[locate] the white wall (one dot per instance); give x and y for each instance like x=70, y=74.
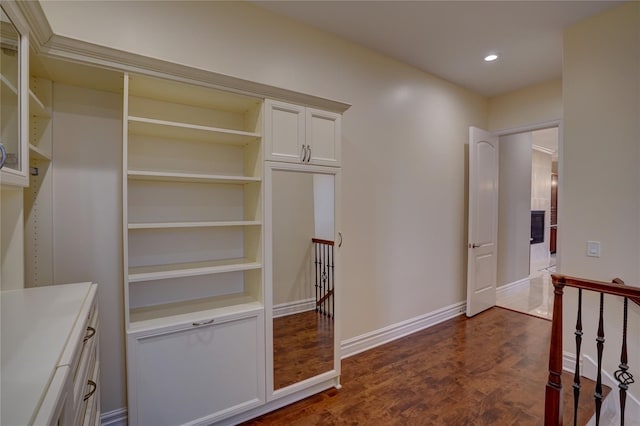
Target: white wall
x=87, y=215
x=514, y=217
x=403, y=147
x=600, y=178
x=536, y=104
x=11, y=238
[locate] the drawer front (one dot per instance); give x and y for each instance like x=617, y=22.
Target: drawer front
x=198, y=374
x=91, y=398
x=86, y=362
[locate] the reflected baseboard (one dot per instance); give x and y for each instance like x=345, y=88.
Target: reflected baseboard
x=296, y=307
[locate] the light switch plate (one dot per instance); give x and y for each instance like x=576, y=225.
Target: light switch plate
x=593, y=248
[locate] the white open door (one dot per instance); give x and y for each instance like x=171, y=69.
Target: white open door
x=483, y=221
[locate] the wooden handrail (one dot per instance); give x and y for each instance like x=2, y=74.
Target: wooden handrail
x=553, y=394
x=616, y=288
x=320, y=241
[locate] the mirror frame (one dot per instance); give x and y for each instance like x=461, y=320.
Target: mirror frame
x=330, y=378
x=11, y=176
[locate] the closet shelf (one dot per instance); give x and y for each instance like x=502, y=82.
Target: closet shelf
x=38, y=153
x=6, y=84
x=212, y=224
x=36, y=106
x=177, y=130
x=179, y=270
x=152, y=317
x=189, y=177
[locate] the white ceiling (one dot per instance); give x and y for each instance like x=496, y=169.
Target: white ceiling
x=451, y=38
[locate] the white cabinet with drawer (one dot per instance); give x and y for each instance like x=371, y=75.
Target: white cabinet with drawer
x=50, y=355
x=197, y=372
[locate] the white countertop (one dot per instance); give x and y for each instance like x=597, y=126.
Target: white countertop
x=36, y=324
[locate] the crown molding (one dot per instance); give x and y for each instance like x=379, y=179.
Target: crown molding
x=47, y=43
x=40, y=31
x=543, y=149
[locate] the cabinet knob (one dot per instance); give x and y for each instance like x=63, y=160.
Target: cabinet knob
x=309, y=152
x=304, y=153
x=199, y=323
x=90, y=333
x=93, y=386
x=3, y=155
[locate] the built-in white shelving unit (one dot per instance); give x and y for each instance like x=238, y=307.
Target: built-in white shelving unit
x=192, y=206
x=193, y=200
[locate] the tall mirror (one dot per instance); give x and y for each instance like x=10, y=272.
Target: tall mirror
x=9, y=92
x=303, y=275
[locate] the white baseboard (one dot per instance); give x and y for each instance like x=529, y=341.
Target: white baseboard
x=387, y=334
x=611, y=404
x=114, y=418
x=511, y=286
x=296, y=307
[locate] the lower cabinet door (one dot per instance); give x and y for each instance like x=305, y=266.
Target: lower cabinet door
x=196, y=374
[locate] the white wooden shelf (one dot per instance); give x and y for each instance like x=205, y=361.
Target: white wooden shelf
x=189, y=177
x=38, y=153
x=8, y=85
x=37, y=107
x=152, y=317
x=171, y=225
x=177, y=130
x=179, y=270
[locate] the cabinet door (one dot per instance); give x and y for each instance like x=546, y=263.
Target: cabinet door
x=284, y=132
x=323, y=137
x=196, y=374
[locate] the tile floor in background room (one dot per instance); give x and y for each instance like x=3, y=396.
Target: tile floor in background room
x=533, y=295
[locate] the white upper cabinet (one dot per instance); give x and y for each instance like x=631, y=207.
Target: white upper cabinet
x=295, y=134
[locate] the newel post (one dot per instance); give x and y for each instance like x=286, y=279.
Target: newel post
x=553, y=394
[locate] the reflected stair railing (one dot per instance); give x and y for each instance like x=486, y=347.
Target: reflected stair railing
x=325, y=276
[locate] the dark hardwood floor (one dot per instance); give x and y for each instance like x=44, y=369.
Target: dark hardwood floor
x=302, y=347
x=487, y=370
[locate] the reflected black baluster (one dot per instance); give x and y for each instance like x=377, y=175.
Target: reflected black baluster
x=326, y=279
x=315, y=249
x=600, y=345
x=576, y=377
x=623, y=377
x=333, y=282
x=322, y=278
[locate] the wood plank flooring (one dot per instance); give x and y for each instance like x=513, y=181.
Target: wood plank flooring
x=487, y=370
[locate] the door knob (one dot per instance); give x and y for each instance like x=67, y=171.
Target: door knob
x=474, y=245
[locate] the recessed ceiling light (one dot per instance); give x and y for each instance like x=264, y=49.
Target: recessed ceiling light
x=490, y=58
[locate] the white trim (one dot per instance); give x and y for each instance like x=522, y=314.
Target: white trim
x=387, y=334
x=296, y=307
x=528, y=128
x=503, y=289
x=543, y=149
x=114, y=418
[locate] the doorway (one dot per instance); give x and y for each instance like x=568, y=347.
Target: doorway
x=527, y=223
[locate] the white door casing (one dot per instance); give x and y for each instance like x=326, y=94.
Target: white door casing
x=483, y=221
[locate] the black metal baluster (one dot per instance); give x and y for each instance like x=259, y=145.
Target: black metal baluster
x=622, y=375
x=576, y=377
x=600, y=345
